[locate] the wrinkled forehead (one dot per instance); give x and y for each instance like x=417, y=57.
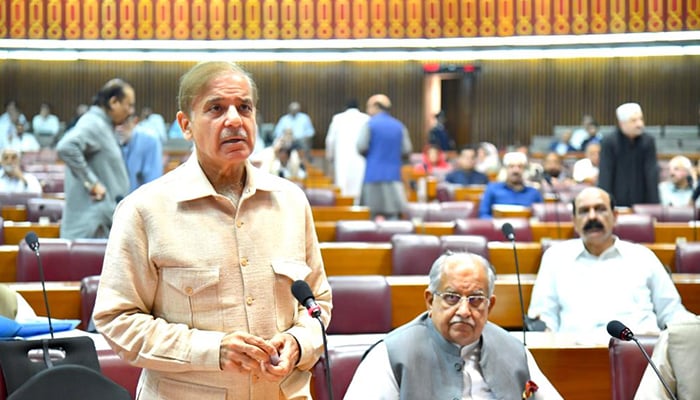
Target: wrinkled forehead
x=592, y=198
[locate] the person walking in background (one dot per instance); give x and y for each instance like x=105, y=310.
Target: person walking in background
x=96, y=176
x=628, y=165
x=198, y=270
x=385, y=143
x=142, y=152
x=341, y=149
x=438, y=135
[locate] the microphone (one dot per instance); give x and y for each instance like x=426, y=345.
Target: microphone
x=509, y=233
x=33, y=243
x=548, y=178
x=302, y=292
x=618, y=330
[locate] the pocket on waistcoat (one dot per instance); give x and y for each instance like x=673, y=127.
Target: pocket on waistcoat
x=286, y=272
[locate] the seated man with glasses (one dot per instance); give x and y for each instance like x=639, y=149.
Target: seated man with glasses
x=584, y=283
x=452, y=351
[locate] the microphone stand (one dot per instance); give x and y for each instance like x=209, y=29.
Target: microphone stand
x=327, y=363
x=520, y=290
x=656, y=370
x=33, y=244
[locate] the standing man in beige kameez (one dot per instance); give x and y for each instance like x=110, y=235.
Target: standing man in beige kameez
x=196, y=285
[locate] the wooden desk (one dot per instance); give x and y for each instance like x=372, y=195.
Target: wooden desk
x=356, y=258
x=8, y=263
x=64, y=298
x=670, y=232
x=14, y=212
x=16, y=231
x=337, y=213
x=551, y=230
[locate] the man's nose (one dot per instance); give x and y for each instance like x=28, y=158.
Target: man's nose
x=232, y=115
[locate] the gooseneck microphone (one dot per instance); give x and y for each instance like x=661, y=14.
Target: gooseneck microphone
x=618, y=330
x=302, y=292
x=509, y=234
x=33, y=243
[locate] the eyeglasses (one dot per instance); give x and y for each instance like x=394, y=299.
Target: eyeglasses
x=476, y=302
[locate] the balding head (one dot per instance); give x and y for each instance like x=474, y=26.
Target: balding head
x=378, y=103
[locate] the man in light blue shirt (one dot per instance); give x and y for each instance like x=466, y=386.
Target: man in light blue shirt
x=582, y=284
x=513, y=191
x=300, y=125
x=677, y=190
x=142, y=151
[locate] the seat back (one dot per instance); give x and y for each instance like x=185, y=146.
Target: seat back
x=344, y=361
x=491, y=228
x=62, y=259
x=361, y=304
x=413, y=211
x=413, y=254
x=453, y=210
x=88, y=294
x=41, y=207
x=16, y=198
x=627, y=365
x=465, y=243
x=320, y=196
x=687, y=258
x=637, y=228
x=553, y=212
x=370, y=231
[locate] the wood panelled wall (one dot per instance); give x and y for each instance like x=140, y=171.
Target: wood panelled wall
x=512, y=100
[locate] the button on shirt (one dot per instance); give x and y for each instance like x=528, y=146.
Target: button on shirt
x=578, y=292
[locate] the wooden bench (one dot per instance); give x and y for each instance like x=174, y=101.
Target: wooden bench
x=337, y=213
x=16, y=231
x=375, y=258
x=406, y=296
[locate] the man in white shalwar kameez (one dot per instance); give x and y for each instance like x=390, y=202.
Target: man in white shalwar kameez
x=341, y=149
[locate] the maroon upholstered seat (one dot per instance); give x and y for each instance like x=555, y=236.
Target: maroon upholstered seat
x=665, y=213
x=413, y=254
x=16, y=198
x=687, y=258
x=469, y=243
x=627, y=365
x=491, y=228
x=41, y=207
x=440, y=212
x=88, y=293
x=320, y=196
x=118, y=370
x=552, y=212
x=361, y=304
x=63, y=260
x=637, y=228
x=344, y=360
x=419, y=211
x=370, y=231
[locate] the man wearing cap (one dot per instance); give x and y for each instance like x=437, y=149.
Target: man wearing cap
x=628, y=166
x=513, y=191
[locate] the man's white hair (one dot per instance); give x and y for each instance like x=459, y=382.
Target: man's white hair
x=514, y=157
x=627, y=110
x=682, y=161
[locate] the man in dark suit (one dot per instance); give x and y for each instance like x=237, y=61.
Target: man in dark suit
x=628, y=165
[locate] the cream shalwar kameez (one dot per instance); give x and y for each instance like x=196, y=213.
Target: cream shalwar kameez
x=183, y=267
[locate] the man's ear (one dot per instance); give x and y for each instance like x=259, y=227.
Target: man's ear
x=184, y=123
x=492, y=302
x=429, y=297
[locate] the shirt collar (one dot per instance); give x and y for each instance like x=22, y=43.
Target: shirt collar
x=610, y=252
x=195, y=184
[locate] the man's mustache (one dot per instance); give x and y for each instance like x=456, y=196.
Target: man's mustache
x=593, y=224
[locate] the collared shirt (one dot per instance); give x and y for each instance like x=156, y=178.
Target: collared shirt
x=13, y=185
x=143, y=155
x=500, y=193
x=463, y=177
x=673, y=196
x=184, y=266
x=375, y=379
x=578, y=292
x=300, y=124
x=585, y=170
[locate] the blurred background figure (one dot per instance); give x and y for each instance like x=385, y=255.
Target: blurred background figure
x=142, y=152
x=300, y=124
x=80, y=109
x=341, y=149
x=385, y=143
x=46, y=126
x=594, y=135
x=581, y=133
x=433, y=162
x=438, y=135
x=288, y=164
x=154, y=122
x=586, y=169
x=465, y=172
x=21, y=141
x=677, y=190
x=12, y=178
x=561, y=144
x=487, y=159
